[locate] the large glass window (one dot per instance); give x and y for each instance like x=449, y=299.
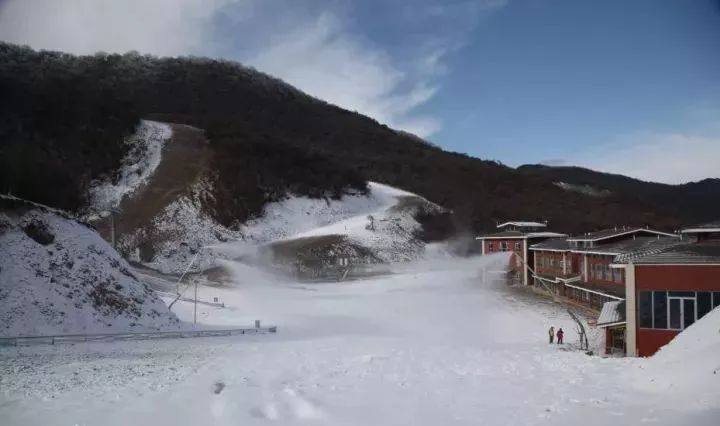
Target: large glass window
x=660, y=309
x=646, y=310
x=704, y=303
x=675, y=314
x=688, y=312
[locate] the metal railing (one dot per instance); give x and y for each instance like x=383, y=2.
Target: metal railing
x=116, y=337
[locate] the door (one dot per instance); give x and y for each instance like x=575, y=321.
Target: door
x=681, y=312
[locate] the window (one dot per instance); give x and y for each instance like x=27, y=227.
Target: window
x=675, y=317
x=517, y=246
x=617, y=275
x=704, y=303
x=674, y=310
x=646, y=311
x=660, y=309
x=716, y=299
x=503, y=245
x=491, y=247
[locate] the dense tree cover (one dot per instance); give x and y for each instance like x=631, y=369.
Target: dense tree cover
x=62, y=120
x=694, y=201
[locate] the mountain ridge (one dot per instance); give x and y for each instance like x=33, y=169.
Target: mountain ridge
x=66, y=117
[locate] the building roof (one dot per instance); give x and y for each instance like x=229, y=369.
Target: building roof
x=613, y=313
x=628, y=247
x=705, y=227
x=615, y=232
x=612, y=290
x=553, y=244
x=519, y=235
x=683, y=254
x=502, y=234
x=523, y=224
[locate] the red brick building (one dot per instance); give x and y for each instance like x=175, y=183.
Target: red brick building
x=516, y=237
x=579, y=267
x=668, y=290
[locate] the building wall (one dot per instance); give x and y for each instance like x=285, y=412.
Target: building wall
x=548, y=256
x=671, y=278
x=677, y=277
x=494, y=246
x=650, y=341
x=604, y=262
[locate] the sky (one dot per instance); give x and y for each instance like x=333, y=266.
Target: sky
x=623, y=86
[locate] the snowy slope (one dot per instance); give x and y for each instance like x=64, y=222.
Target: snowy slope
x=690, y=363
x=186, y=230
x=143, y=158
x=193, y=232
x=383, y=221
x=438, y=346
x=58, y=276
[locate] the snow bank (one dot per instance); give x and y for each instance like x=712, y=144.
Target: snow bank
x=140, y=163
x=689, y=363
x=58, y=276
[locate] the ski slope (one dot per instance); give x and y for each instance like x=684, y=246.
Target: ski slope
x=435, y=346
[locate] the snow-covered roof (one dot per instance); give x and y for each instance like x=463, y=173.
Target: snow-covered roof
x=545, y=234
x=613, y=313
x=523, y=224
x=703, y=228
x=616, y=232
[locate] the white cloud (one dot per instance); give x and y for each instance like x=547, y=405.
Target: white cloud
x=669, y=158
x=323, y=60
x=318, y=54
x=162, y=27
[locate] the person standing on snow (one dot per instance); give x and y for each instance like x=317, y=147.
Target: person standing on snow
x=560, y=334
x=551, y=333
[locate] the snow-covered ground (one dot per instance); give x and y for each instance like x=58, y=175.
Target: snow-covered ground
x=436, y=345
x=391, y=237
x=57, y=276
x=143, y=158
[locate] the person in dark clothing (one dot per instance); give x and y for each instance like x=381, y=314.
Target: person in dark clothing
x=560, y=334
x=551, y=333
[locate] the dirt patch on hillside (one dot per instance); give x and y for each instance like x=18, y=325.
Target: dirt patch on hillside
x=185, y=157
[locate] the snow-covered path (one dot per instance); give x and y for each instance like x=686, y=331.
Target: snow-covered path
x=436, y=347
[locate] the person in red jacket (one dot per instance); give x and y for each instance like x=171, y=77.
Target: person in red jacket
x=560, y=334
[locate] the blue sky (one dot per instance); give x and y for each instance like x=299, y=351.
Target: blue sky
x=626, y=86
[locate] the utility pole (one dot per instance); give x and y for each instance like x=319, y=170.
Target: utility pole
x=112, y=229
x=195, y=308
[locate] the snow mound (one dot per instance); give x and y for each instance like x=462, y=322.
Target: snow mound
x=58, y=276
x=382, y=221
x=690, y=362
x=143, y=158
x=294, y=216
x=182, y=231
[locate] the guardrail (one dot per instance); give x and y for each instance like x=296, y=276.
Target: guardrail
x=187, y=299
x=117, y=337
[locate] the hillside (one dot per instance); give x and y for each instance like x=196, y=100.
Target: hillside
x=695, y=200
x=57, y=276
x=66, y=118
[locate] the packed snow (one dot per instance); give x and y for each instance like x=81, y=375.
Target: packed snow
x=391, y=236
x=145, y=153
x=58, y=276
x=440, y=344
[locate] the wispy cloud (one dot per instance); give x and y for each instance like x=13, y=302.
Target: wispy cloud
x=668, y=158
x=317, y=50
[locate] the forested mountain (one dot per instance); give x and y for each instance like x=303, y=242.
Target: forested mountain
x=63, y=119
x=691, y=201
